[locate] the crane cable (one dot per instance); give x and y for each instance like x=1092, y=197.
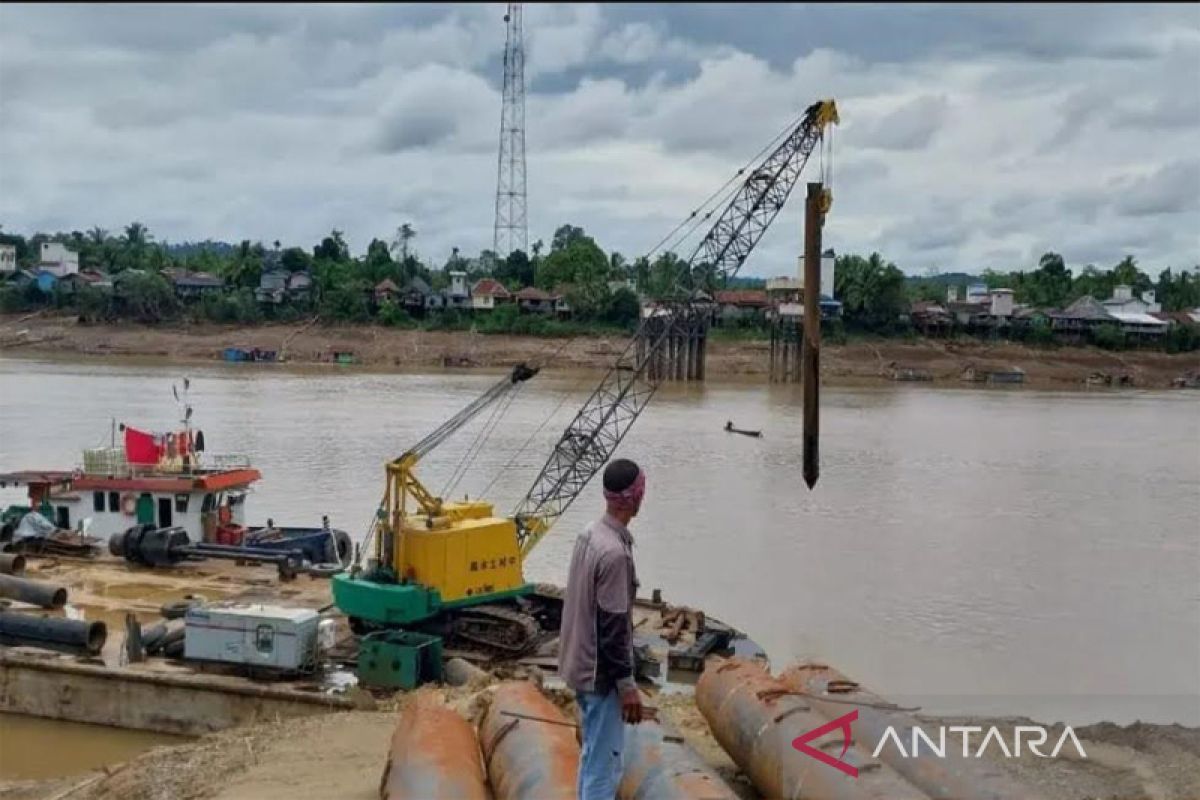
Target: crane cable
x=725, y=192
x=567, y=394
x=693, y=221
x=481, y=438
x=695, y=214
x=484, y=434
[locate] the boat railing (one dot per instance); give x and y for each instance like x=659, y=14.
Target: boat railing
x=112, y=461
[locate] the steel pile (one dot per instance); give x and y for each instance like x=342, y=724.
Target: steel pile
x=434, y=753
x=755, y=719
x=948, y=777
x=529, y=747
x=659, y=765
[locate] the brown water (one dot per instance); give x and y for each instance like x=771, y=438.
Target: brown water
x=33, y=748
x=967, y=550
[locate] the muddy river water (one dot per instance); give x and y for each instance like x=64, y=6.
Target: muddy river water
x=996, y=551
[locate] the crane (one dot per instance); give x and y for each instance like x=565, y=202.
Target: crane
x=453, y=569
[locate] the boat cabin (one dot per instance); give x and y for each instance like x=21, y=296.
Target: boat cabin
x=203, y=496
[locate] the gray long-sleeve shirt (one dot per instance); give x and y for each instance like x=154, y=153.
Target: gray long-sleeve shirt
x=595, y=649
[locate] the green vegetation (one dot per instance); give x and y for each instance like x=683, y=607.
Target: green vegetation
x=875, y=293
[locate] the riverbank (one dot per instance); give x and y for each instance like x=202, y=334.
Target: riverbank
x=279, y=760
x=856, y=363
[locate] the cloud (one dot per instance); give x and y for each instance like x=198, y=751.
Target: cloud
x=969, y=133
x=1171, y=189
x=910, y=127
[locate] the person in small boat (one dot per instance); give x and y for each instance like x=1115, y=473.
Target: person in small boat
x=728, y=425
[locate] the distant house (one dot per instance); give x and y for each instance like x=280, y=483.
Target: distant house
x=299, y=286
x=829, y=309
x=931, y=318
x=969, y=315
x=1123, y=301
x=784, y=290
x=977, y=293
x=193, y=285
x=272, y=286
x=1178, y=317
x=277, y=285
x=1141, y=325
x=386, y=291
x=740, y=304
x=92, y=278
x=415, y=296
x=457, y=295
x=1079, y=318
x=55, y=256
x=562, y=307
x=487, y=293
x=8, y=259
x=1025, y=317
x=535, y=300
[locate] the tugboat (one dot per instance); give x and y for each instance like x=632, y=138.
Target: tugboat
x=164, y=480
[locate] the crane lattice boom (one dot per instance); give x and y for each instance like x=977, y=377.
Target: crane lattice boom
x=594, y=434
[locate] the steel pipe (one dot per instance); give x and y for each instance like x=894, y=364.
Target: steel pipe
x=659, y=765
x=12, y=563
x=529, y=747
x=37, y=593
x=756, y=720
x=434, y=753
x=948, y=776
x=53, y=632
x=460, y=672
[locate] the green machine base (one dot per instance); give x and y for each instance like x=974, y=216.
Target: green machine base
x=399, y=659
x=386, y=603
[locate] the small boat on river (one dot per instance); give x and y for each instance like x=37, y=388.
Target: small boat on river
x=754, y=434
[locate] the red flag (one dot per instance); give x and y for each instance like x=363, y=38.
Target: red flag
x=140, y=447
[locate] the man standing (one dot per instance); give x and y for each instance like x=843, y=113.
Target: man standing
x=595, y=655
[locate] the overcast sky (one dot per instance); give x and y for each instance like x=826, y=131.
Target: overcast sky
x=971, y=136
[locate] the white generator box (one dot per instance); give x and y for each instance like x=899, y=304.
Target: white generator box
x=251, y=633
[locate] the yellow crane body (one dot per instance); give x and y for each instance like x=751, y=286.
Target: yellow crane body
x=465, y=553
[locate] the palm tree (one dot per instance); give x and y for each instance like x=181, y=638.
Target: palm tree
x=404, y=234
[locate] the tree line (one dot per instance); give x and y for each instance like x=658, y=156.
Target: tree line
x=875, y=293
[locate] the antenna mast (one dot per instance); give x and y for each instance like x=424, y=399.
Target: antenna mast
x=511, y=231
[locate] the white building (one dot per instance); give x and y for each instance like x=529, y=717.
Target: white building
x=828, y=262
x=1001, y=301
x=58, y=260
x=1124, y=302
x=8, y=258
x=977, y=293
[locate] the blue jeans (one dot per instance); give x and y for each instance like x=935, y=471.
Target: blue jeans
x=600, y=764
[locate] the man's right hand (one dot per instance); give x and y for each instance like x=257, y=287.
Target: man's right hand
x=631, y=705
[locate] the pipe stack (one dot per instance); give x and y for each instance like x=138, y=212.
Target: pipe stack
x=948, y=777
x=755, y=719
x=434, y=753
x=529, y=747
